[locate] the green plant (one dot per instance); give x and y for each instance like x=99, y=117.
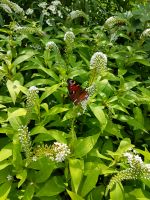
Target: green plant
x=53, y=149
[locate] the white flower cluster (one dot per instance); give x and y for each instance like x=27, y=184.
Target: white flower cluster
x=51, y=45
x=146, y=33
x=133, y=160
x=53, y=8
x=69, y=37
x=42, y=5
x=60, y=151
x=75, y=14
x=29, y=11
x=98, y=61
x=137, y=165
x=137, y=169
x=23, y=131
x=9, y=177
x=16, y=8
x=91, y=89
x=33, y=89
x=25, y=140
x=6, y=8
x=111, y=21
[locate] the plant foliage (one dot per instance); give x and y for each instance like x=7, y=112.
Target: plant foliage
x=51, y=148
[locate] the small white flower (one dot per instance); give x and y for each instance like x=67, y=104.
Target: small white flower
x=33, y=88
x=34, y=158
x=52, y=8
x=56, y=3
x=29, y=11
x=42, y=5
x=60, y=14
x=48, y=22
x=61, y=151
x=9, y=177
x=45, y=13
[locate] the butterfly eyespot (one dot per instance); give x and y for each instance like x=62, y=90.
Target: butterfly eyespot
x=76, y=93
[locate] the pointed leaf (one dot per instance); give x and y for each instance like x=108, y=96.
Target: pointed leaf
x=85, y=145
x=89, y=183
x=76, y=168
x=16, y=113
x=52, y=187
x=22, y=58
x=49, y=91
x=100, y=115
x=4, y=190
x=29, y=192
x=117, y=192
x=22, y=176
x=6, y=152
x=74, y=196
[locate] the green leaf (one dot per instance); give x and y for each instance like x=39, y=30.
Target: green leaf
x=113, y=129
x=117, y=192
x=69, y=114
x=89, y=183
x=13, y=88
x=6, y=152
x=50, y=72
x=38, y=129
x=76, y=168
x=17, y=158
x=85, y=145
x=4, y=190
x=97, y=193
x=57, y=109
x=7, y=130
x=132, y=122
x=4, y=164
x=130, y=85
x=5, y=99
x=38, y=82
x=100, y=115
x=138, y=115
x=29, y=192
x=138, y=60
x=15, y=121
x=45, y=169
x=52, y=134
x=49, y=91
x=137, y=193
x=124, y=146
x=53, y=186
x=16, y=113
x=23, y=58
x=74, y=196
x=22, y=176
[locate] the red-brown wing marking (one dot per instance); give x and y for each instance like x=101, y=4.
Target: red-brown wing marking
x=76, y=93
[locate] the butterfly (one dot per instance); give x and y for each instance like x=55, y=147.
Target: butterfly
x=76, y=93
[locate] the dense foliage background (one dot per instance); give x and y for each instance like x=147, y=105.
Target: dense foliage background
x=51, y=148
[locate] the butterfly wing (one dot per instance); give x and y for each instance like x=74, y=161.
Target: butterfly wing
x=76, y=93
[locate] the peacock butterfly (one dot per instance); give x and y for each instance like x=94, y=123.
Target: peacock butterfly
x=76, y=93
